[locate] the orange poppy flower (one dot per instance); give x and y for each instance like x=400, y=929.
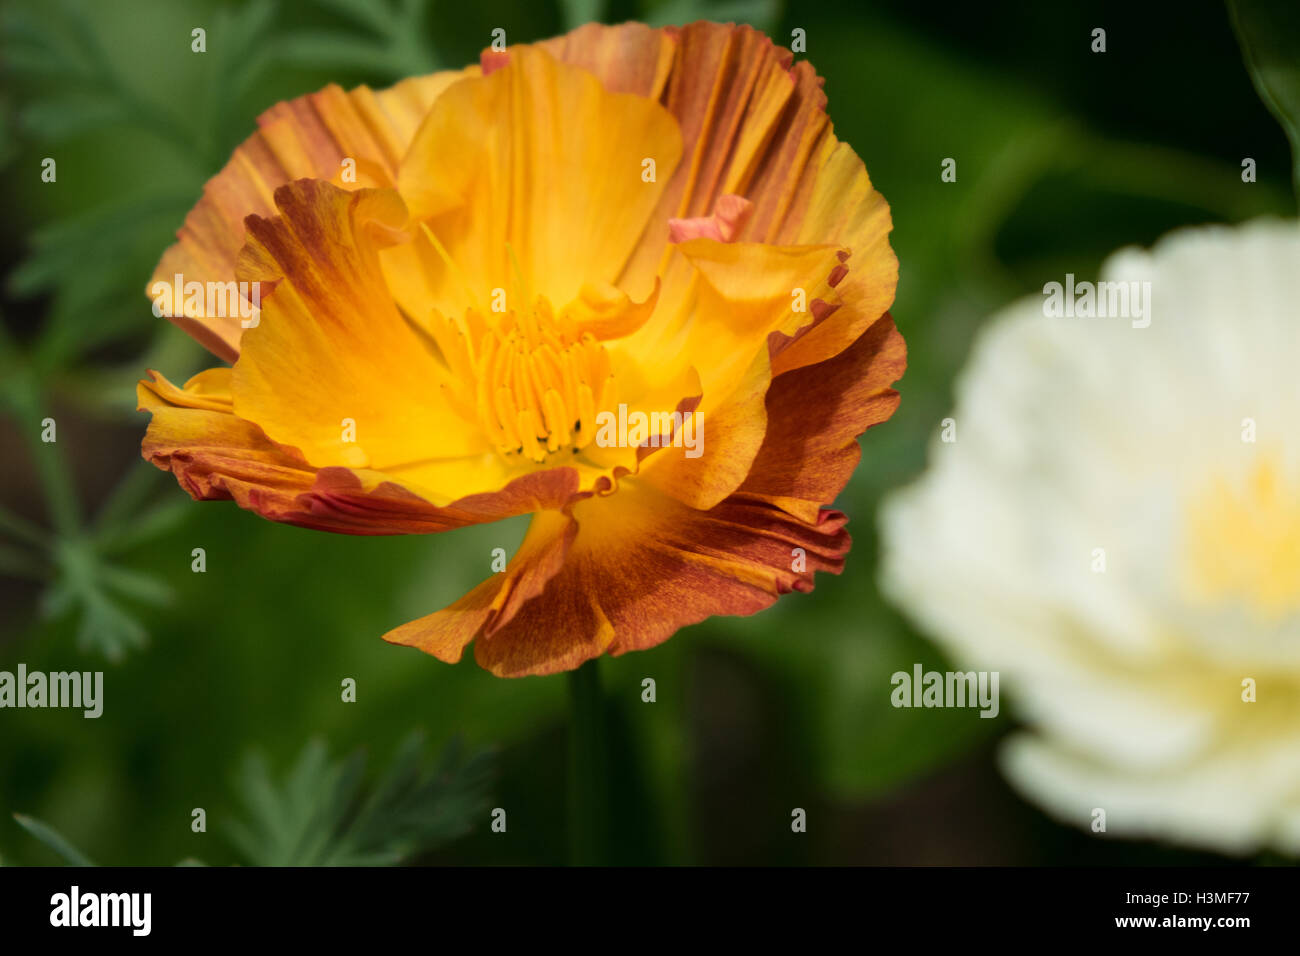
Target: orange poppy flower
x=626, y=280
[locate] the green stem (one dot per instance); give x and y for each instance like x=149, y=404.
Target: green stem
x=588, y=763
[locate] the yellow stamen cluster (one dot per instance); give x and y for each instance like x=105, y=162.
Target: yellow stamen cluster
x=535, y=382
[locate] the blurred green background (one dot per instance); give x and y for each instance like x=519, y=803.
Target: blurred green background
x=1062, y=156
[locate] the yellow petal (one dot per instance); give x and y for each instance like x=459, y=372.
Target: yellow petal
x=332, y=368
x=539, y=164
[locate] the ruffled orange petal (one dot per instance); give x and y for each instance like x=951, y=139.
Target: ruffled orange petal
x=213, y=454
x=306, y=137
x=628, y=58
x=354, y=502
x=814, y=417
x=540, y=557
x=218, y=456
x=843, y=207
x=644, y=566
x=748, y=301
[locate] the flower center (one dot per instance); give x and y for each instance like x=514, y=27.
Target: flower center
x=540, y=383
x=1244, y=542
x=534, y=380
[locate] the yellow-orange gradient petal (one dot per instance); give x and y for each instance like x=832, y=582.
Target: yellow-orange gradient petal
x=218, y=456
x=756, y=127
x=332, y=368
x=746, y=302
x=535, y=180
x=310, y=136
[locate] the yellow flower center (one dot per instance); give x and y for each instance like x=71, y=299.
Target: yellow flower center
x=1244, y=542
x=534, y=380
x=539, y=383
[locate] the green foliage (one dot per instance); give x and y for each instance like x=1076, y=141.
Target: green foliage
x=319, y=815
x=82, y=91
x=575, y=13
x=1269, y=32
x=387, y=39
x=763, y=14
x=325, y=813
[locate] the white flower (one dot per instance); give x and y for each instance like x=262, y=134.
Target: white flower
x=1116, y=529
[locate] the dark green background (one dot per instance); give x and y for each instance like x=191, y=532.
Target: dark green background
x=1063, y=156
